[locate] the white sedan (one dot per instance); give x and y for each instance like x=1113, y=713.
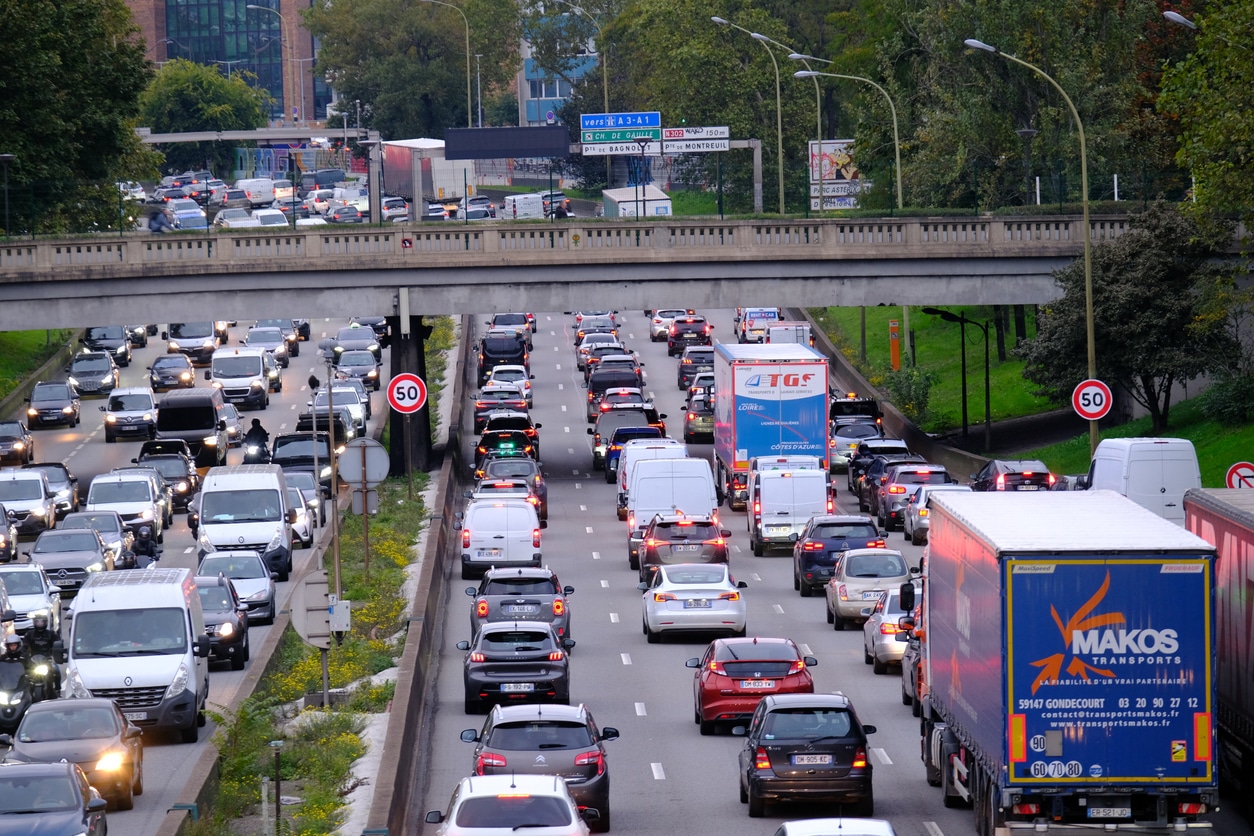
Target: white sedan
x=515, y=375
x=692, y=597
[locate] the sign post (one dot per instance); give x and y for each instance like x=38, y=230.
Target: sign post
x=1091, y=400
x=407, y=393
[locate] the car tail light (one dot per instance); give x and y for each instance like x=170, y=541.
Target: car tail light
x=1026, y=809
x=691, y=415
x=757, y=508
x=535, y=538
x=1001, y=481
x=589, y=396
x=922, y=512
x=729, y=596
x=674, y=330
x=534, y=500
x=887, y=628
x=717, y=541
x=481, y=608
x=709, y=328
x=842, y=592
x=877, y=544
x=660, y=597
x=717, y=667
x=589, y=758
x=631, y=521
x=556, y=656
x=811, y=546
x=482, y=449
x=489, y=759
x=761, y=760
x=478, y=657
x=896, y=489
x=559, y=606
x=859, y=758
x=798, y=666
x=831, y=505
x=465, y=538
x=1051, y=480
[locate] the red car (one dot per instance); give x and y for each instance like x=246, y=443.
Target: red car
x=734, y=674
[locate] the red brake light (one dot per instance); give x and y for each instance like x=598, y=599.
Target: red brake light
x=481, y=608
x=1052, y=480
x=587, y=758
x=1026, y=809
x=797, y=666
x=556, y=656
x=717, y=541
x=465, y=538
x=660, y=597
x=535, y=538
x=811, y=546
x=831, y=506
x=478, y=657
x=692, y=415
x=729, y=596
x=1190, y=808
x=1001, y=481
x=876, y=544
x=895, y=489
x=487, y=759
x=887, y=628
x=859, y=758
x=760, y=759
x=757, y=508
x=559, y=606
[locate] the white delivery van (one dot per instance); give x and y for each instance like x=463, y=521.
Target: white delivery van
x=260, y=190
x=498, y=532
x=783, y=501
x=245, y=507
x=666, y=486
x=760, y=464
x=1152, y=472
x=138, y=638
x=789, y=332
x=643, y=449
x=518, y=206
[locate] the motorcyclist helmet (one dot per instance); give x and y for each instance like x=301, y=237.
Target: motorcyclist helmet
x=13, y=643
x=39, y=622
x=144, y=532
x=257, y=424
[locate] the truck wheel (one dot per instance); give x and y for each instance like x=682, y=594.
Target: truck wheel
x=916, y=707
x=949, y=797
x=758, y=549
x=915, y=538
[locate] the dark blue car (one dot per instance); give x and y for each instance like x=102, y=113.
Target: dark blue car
x=615, y=448
x=824, y=537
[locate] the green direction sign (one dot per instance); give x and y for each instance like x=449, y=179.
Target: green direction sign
x=622, y=135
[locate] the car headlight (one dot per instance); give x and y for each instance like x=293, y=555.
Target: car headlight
x=312, y=503
x=95, y=567
x=4, y=697
x=32, y=412
x=37, y=512
x=185, y=376
x=226, y=629
x=281, y=348
x=74, y=687
x=372, y=373
x=203, y=542
x=147, y=416
x=216, y=384
x=276, y=541
x=258, y=596
x=210, y=441
x=19, y=445
x=70, y=380
x=111, y=762
x=256, y=384
x=68, y=410
x=181, y=487
x=120, y=350
x=179, y=684
x=338, y=349
x=107, y=379
x=172, y=345
x=373, y=347
x=145, y=514
x=207, y=344
x=325, y=473
x=111, y=418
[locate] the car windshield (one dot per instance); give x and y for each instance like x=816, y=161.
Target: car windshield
x=129, y=403
x=10, y=429
x=806, y=723
x=695, y=575
x=68, y=723
x=83, y=365
x=50, y=392
x=109, y=332
x=510, y=467
x=22, y=583
x=54, y=472
x=520, y=586
x=301, y=479
x=854, y=531
x=191, y=330
x=500, y=395
x=352, y=334
x=271, y=218
x=104, y=523
x=236, y=366
x=282, y=325
x=875, y=566
x=509, y=375
x=515, y=640
x=356, y=358
x=21, y=489
x=503, y=319
x=300, y=448
x=38, y=794
x=265, y=335
x=857, y=431
x=513, y=811
x=234, y=567
x=259, y=505
x=215, y=599
x=67, y=542
x=173, y=468
x=132, y=490
x=543, y=734
x=757, y=651
x=156, y=631
x=172, y=362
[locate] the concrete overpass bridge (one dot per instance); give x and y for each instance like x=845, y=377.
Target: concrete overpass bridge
x=457, y=268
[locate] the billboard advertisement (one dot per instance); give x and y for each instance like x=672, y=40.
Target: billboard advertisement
x=833, y=171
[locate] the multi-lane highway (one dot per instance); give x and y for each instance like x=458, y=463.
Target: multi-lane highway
x=665, y=775
x=167, y=763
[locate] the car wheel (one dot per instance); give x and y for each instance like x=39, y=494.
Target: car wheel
x=137, y=786
x=466, y=574
x=806, y=590
x=707, y=727
x=652, y=637
x=125, y=801
x=248, y=648
x=838, y=623
x=238, y=660
x=916, y=705
x=830, y=615
x=915, y=538
x=471, y=706
x=757, y=806
x=796, y=581
x=905, y=535
x=190, y=735
x=865, y=808
x=878, y=667
x=278, y=388
x=609, y=476
x=634, y=562
x=759, y=549
x=867, y=658
x=906, y=699
x=601, y=825
x=110, y=439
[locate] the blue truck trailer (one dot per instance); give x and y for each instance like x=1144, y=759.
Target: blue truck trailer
x=769, y=400
x=1070, y=654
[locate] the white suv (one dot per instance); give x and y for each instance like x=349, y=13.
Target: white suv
x=133, y=495
x=486, y=805
x=130, y=413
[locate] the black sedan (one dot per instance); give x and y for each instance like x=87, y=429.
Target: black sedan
x=17, y=446
x=179, y=473
x=52, y=798
x=344, y=215
x=53, y=403
x=172, y=371
x=515, y=661
x=112, y=339
x=360, y=364
x=226, y=620
x=91, y=733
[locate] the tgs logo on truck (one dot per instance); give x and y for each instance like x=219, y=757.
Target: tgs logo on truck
x=790, y=380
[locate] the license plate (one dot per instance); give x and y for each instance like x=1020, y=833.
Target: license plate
x=136, y=715
x=697, y=604
x=131, y=428
x=777, y=529
x=1110, y=812
x=756, y=684
x=1032, y=488
x=489, y=552
x=695, y=547
x=519, y=609
x=873, y=595
x=812, y=760
x=517, y=687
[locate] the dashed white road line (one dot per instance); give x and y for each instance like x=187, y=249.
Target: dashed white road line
x=805, y=650
x=640, y=712
x=559, y=368
x=596, y=555
x=574, y=472
x=613, y=618
x=659, y=774
x=565, y=429
x=882, y=757
x=563, y=410
x=570, y=450
x=578, y=485
x=588, y=529
x=605, y=584
x=777, y=608
x=583, y=507
x=187, y=550
x=756, y=577
x=561, y=386
x=933, y=829
x=626, y=658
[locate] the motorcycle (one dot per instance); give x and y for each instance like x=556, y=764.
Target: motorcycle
x=15, y=694
x=256, y=454
x=44, y=678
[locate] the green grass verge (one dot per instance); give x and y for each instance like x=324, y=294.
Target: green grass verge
x=938, y=350
x=21, y=352
x=1219, y=445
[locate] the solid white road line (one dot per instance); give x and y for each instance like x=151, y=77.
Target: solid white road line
x=805, y=650
x=882, y=757
x=777, y=608
x=933, y=829
x=626, y=658
x=659, y=774
x=640, y=712
x=756, y=577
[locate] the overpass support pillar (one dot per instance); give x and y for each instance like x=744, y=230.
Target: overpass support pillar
x=415, y=433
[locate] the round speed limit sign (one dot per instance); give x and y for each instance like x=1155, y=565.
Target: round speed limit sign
x=1091, y=400
x=407, y=393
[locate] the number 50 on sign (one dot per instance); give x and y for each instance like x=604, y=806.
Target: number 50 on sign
x=1091, y=400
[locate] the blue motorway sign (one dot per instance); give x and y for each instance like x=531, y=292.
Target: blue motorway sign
x=610, y=121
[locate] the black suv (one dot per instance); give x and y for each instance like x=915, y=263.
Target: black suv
x=694, y=361
x=876, y=473
x=678, y=538
x=806, y=747
x=1023, y=475
x=865, y=454
x=112, y=339
x=686, y=331
x=527, y=593
x=501, y=348
x=824, y=537
x=515, y=660
x=93, y=373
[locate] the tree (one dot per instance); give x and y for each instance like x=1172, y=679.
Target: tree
x=185, y=96
x=71, y=72
x=406, y=61
x=1154, y=311
x=1212, y=94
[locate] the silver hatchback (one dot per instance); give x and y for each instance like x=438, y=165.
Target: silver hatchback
x=859, y=577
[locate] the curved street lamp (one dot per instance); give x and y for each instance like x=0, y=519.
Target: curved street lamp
x=1084, y=203
x=779, y=112
x=469, y=111
x=604, y=59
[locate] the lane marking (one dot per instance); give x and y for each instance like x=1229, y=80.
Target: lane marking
x=588, y=529
x=805, y=650
x=583, y=507
x=777, y=608
x=559, y=368
x=613, y=618
x=570, y=450
x=737, y=548
x=933, y=829
x=605, y=584
x=756, y=577
x=578, y=485
x=565, y=429
x=883, y=757
x=596, y=555
x=659, y=774
x=640, y=712
x=563, y=407
x=626, y=658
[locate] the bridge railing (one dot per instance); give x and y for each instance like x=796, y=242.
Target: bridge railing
x=451, y=245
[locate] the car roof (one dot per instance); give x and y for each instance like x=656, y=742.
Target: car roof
x=836, y=700
x=837, y=827
x=482, y=785
x=519, y=572
x=837, y=519
x=535, y=711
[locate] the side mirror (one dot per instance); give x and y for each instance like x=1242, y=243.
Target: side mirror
x=291, y=516
x=470, y=736
x=906, y=622
x=165, y=335
x=8, y=616
x=471, y=591
x=739, y=731
x=725, y=532
x=463, y=645
x=468, y=494
x=433, y=817
x=907, y=597
x=694, y=662
x=6, y=740
x=208, y=375
x=868, y=729
x=590, y=814
x=97, y=805
x=133, y=461
x=544, y=523
x=202, y=647
x=864, y=612
x=1082, y=483
x=132, y=732
x=539, y=426
x=568, y=590
x=642, y=586
x=792, y=538
x=531, y=377
x=590, y=431
x=741, y=585
x=58, y=651
x=609, y=733
x=810, y=661
x=882, y=532
x=568, y=643
x=222, y=425
x=102, y=409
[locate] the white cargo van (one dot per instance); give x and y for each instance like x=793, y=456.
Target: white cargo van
x=260, y=190
x=783, y=501
x=138, y=638
x=666, y=486
x=760, y=464
x=518, y=206
x=638, y=450
x=245, y=507
x=498, y=532
x=790, y=332
x=1152, y=472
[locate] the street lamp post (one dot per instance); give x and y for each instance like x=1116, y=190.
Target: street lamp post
x=818, y=113
x=604, y=59
x=963, y=322
x=291, y=47
x=478, y=93
x=1084, y=203
x=5, y=159
x=1026, y=135
x=891, y=108
x=779, y=110
x=300, y=76
x=642, y=209
x=465, y=20
x=230, y=64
